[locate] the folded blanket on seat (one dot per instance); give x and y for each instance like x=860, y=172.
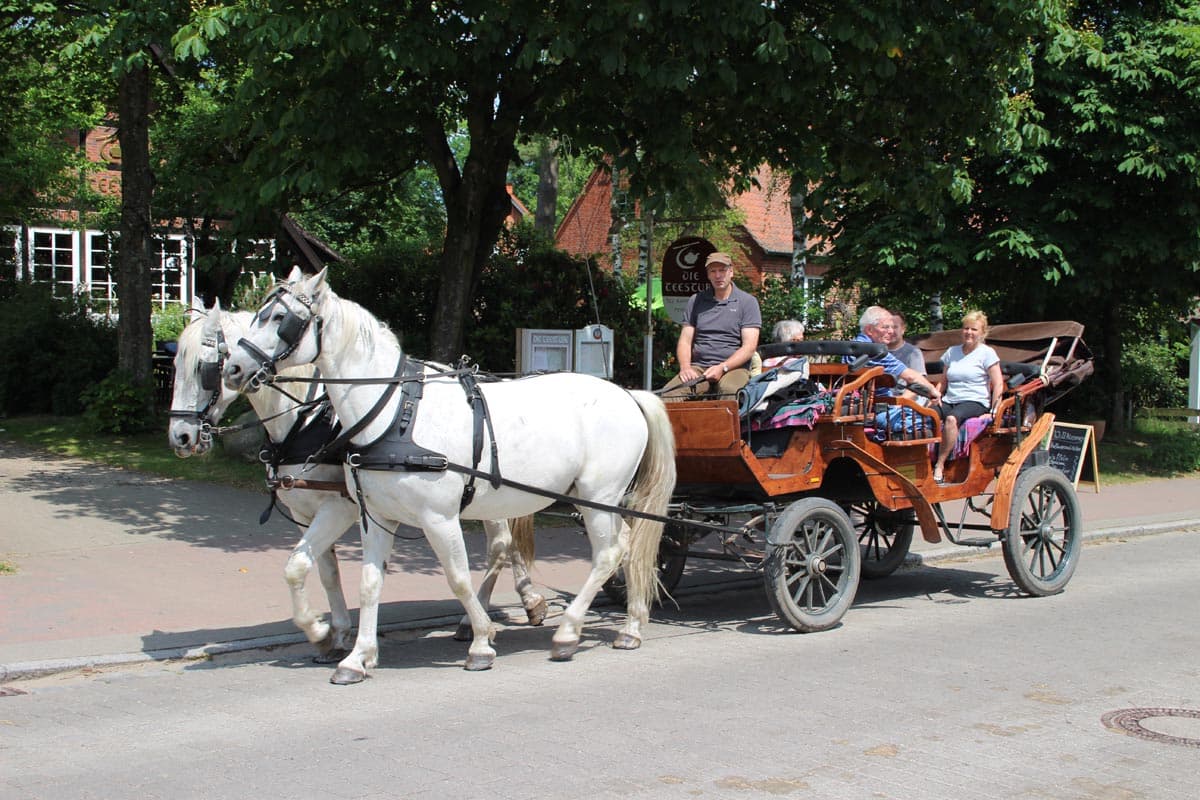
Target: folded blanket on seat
x=967, y=432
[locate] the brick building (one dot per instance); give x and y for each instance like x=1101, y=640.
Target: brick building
x=763, y=239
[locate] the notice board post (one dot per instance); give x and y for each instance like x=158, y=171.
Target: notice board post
x=1073, y=452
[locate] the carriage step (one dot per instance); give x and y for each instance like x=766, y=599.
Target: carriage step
x=981, y=541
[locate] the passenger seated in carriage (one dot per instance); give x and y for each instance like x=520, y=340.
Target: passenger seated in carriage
x=787, y=330
x=972, y=383
x=876, y=325
x=720, y=335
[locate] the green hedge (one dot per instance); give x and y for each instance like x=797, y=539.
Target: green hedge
x=51, y=350
x=526, y=284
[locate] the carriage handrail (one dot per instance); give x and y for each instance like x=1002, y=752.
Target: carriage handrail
x=865, y=378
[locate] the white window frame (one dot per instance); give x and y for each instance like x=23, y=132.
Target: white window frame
x=104, y=292
x=55, y=233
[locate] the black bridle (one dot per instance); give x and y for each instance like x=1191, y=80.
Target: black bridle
x=210, y=381
x=291, y=330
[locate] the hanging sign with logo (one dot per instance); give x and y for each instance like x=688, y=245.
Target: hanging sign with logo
x=683, y=273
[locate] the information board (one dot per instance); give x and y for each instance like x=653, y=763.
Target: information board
x=1073, y=452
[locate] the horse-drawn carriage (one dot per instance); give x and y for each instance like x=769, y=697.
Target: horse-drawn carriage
x=431, y=445
x=826, y=483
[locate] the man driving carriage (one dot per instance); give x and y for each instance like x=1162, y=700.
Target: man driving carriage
x=720, y=335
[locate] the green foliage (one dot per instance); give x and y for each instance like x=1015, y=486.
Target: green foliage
x=1151, y=373
x=778, y=299
x=251, y=292
x=44, y=96
x=169, y=322
x=50, y=350
x=117, y=405
x=397, y=282
x=1173, y=447
x=526, y=284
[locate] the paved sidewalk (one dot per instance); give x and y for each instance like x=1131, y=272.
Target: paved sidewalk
x=114, y=566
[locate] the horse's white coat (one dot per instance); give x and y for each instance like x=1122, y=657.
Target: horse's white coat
x=323, y=515
x=565, y=433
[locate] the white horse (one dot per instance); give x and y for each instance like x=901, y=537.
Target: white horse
x=570, y=434
x=309, y=492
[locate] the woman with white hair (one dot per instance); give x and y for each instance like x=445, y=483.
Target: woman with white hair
x=787, y=330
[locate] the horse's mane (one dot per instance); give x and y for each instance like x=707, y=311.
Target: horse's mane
x=356, y=327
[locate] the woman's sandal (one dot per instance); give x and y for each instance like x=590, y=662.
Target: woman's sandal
x=938, y=477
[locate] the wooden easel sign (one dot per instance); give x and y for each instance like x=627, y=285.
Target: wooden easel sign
x=1073, y=452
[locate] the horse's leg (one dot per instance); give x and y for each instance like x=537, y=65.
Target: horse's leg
x=315, y=545
x=377, y=545
x=521, y=554
x=446, y=539
x=499, y=543
x=608, y=536
x=338, y=640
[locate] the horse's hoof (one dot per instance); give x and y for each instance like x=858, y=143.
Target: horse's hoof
x=626, y=642
x=478, y=663
x=332, y=656
x=344, y=676
x=563, y=652
x=537, y=612
x=463, y=633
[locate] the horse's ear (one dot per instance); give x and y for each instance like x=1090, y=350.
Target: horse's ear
x=197, y=306
x=212, y=322
x=296, y=274
x=315, y=284
x=216, y=309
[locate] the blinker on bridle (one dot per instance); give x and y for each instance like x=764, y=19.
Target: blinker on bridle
x=210, y=381
x=290, y=331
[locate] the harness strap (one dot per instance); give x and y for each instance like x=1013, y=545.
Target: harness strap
x=343, y=440
x=481, y=418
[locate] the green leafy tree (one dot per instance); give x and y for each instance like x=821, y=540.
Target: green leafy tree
x=1091, y=210
x=45, y=99
x=682, y=95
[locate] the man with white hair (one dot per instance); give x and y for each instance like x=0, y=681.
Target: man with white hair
x=876, y=325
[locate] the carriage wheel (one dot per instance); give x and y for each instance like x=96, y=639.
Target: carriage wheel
x=1041, y=545
x=812, y=564
x=884, y=537
x=672, y=555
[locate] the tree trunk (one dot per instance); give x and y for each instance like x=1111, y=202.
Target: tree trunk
x=547, y=193
x=1114, y=379
x=474, y=217
x=134, y=333
x=799, y=237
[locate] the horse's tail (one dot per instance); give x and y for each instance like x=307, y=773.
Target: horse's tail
x=651, y=493
x=522, y=537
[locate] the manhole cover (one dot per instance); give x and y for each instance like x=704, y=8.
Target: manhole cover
x=1129, y=720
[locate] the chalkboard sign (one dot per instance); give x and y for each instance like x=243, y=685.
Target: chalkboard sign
x=1071, y=447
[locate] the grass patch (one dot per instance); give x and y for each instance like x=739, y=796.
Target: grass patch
x=7, y=568
x=144, y=452
x=1151, y=449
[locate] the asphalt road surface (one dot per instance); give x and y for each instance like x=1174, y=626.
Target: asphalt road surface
x=942, y=682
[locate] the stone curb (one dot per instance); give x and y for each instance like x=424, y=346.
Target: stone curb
x=38, y=669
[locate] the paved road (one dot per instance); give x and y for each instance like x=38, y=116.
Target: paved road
x=942, y=683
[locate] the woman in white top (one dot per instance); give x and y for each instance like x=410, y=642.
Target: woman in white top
x=970, y=382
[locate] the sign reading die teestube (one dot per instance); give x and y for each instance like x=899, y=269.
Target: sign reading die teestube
x=683, y=273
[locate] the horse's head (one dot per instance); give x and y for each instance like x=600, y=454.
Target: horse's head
x=199, y=399
x=285, y=332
